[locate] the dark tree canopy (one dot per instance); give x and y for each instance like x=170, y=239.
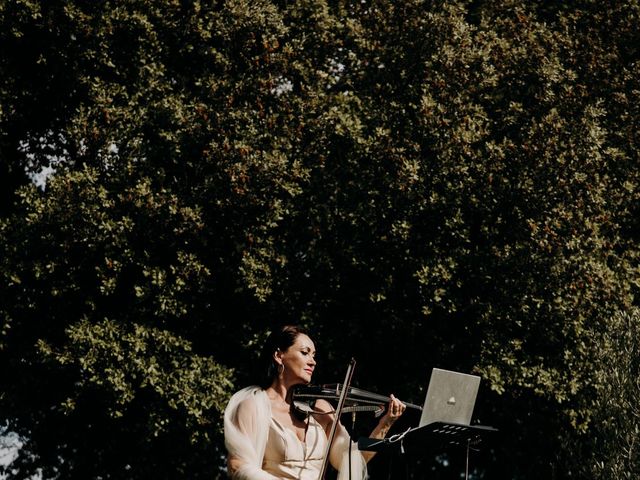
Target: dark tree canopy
x=422, y=184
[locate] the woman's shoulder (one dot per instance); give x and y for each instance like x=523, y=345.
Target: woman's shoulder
x=323, y=406
x=325, y=413
x=249, y=399
x=248, y=393
x=252, y=401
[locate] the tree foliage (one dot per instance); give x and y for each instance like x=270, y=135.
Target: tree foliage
x=616, y=413
x=422, y=183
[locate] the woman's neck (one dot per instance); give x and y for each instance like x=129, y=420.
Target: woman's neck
x=281, y=391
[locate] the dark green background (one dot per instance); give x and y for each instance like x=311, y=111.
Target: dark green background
x=422, y=184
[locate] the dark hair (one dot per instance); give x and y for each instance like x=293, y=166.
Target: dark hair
x=280, y=339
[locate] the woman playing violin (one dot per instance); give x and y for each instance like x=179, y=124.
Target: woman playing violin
x=266, y=439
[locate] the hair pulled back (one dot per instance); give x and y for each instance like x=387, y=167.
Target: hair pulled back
x=280, y=339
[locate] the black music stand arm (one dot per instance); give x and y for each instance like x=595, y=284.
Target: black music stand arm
x=438, y=434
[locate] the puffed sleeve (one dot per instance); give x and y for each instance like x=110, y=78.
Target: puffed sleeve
x=344, y=451
x=246, y=431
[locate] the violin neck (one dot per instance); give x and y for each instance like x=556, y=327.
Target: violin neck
x=355, y=395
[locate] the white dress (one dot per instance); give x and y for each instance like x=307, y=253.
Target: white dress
x=265, y=450
x=285, y=456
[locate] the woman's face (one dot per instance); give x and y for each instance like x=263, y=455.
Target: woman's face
x=298, y=360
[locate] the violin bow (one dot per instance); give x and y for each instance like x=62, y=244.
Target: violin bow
x=338, y=412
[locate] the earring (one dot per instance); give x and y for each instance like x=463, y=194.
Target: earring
x=280, y=369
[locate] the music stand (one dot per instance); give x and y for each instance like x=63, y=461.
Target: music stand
x=436, y=434
x=428, y=437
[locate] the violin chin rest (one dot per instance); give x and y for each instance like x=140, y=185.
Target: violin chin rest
x=302, y=406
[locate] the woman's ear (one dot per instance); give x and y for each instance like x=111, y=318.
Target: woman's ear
x=277, y=356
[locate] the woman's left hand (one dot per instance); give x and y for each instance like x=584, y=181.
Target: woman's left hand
x=394, y=410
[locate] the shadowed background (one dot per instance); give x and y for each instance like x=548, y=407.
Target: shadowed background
x=421, y=184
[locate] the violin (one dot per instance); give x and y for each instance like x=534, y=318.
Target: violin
x=356, y=400
x=349, y=400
